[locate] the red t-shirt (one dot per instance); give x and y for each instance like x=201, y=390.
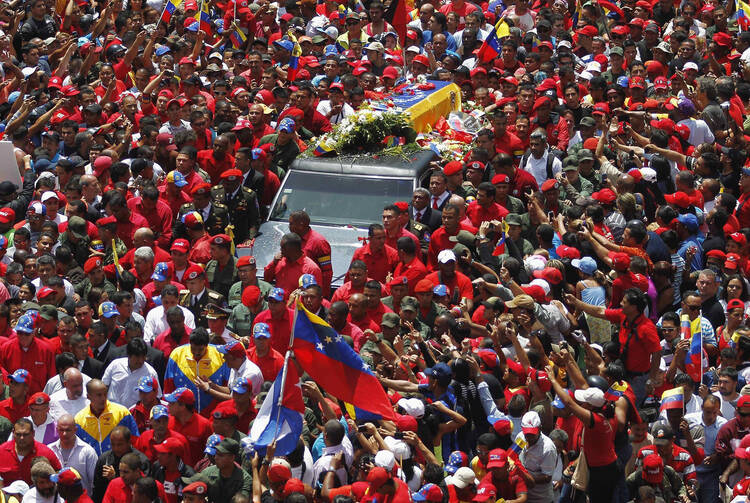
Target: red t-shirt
x=459, y=282
x=507, y=489
x=12, y=410
x=599, y=441
x=477, y=214
x=644, y=342
x=401, y=495
x=145, y=443
x=281, y=328
x=196, y=431
x=509, y=144
x=269, y=365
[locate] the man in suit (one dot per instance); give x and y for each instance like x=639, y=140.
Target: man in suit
x=215, y=214
x=439, y=193
x=244, y=211
x=86, y=364
x=197, y=296
x=101, y=347
x=421, y=212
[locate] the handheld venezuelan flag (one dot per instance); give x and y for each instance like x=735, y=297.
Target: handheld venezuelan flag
x=237, y=37
x=491, y=47
x=743, y=15
x=517, y=446
x=500, y=247
x=332, y=363
x=672, y=399
x=609, y=7
x=294, y=59
x=203, y=17
x=169, y=10
x=615, y=392
x=359, y=6
x=693, y=358
x=116, y=259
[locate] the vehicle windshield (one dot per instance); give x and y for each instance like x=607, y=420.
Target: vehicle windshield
x=339, y=199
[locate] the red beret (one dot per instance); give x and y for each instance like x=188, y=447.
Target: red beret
x=550, y=184
x=452, y=168
x=424, y=285
x=403, y=206
x=194, y=272
x=92, y=264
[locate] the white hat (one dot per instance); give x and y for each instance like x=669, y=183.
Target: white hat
x=48, y=195
x=375, y=46
x=591, y=396
x=332, y=32
x=216, y=55
x=385, y=459
x=542, y=283
x=597, y=348
x=17, y=487
x=648, y=174
x=400, y=450
x=414, y=48
x=27, y=72
x=530, y=423
x=463, y=478
x=446, y=256
x=586, y=75
x=412, y=406
x=535, y=263
x=564, y=43
x=689, y=66
x=594, y=66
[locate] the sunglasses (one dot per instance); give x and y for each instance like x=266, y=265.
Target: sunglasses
x=692, y=308
x=743, y=414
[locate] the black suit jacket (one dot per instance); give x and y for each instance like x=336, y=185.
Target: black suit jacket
x=93, y=368
x=430, y=217
x=108, y=354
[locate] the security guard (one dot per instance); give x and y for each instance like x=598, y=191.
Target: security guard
x=196, y=297
x=215, y=214
x=221, y=270
x=244, y=212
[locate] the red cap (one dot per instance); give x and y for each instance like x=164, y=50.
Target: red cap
x=101, y=164
x=564, y=251
x=7, y=215
x=200, y=188
x=424, y=285
x=406, y=423
x=515, y=367
x=738, y=238
x=717, y=254
x=293, y=486
x=500, y=178
x=279, y=472
x=245, y=260
x=221, y=240
x=180, y=245
x=170, y=445
x=722, y=39
x=194, y=272
x=91, y=264
x=398, y=280
x=106, y=221
x=637, y=82
x=421, y=59
x=377, y=477
x=452, y=168
x=679, y=199
x=550, y=184
x=486, y=490
x=536, y=292
x=620, y=261
x=185, y=60
x=44, y=292
x=496, y=459
x=502, y=427
x=478, y=165
x=664, y=124
x=606, y=196
x=653, y=469
x=550, y=275
x=390, y=72
x=601, y=108
x=55, y=82
x=661, y=83
x=744, y=401
x=70, y=91
x=250, y=296
x=588, y=31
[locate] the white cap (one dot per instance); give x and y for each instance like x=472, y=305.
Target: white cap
x=216, y=55
x=542, y=283
x=689, y=66
x=400, y=449
x=332, y=32
x=446, y=256
x=594, y=66
x=564, y=43
x=531, y=421
x=535, y=263
x=37, y=208
x=463, y=478
x=412, y=406
x=17, y=487
x=648, y=174
x=586, y=75
x=413, y=48
x=591, y=396
x=27, y=72
x=385, y=459
x=48, y=195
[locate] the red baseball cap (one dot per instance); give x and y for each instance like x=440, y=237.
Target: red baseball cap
x=180, y=245
x=679, y=199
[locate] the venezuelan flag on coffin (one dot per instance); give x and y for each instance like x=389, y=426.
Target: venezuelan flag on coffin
x=428, y=102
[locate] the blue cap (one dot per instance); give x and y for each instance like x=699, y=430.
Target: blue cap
x=287, y=125
x=585, y=264
x=211, y=444
x=242, y=385
x=429, y=492
x=276, y=294
x=156, y=299
x=623, y=82
x=162, y=50
x=689, y=220
x=557, y=403
x=440, y=290
x=12, y=97
x=176, y=178
x=258, y=153
x=439, y=371
x=26, y=322
x=108, y=310
x=226, y=348
x=261, y=331
x=147, y=384
x=330, y=50
x=284, y=44
x=307, y=280
x=456, y=460
x=20, y=375
x=746, y=171
x=159, y=411
x=3, y=242
x=160, y=272
x=193, y=27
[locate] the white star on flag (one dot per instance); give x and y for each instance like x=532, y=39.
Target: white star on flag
x=319, y=346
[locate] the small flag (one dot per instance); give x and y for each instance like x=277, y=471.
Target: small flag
x=693, y=331
x=672, y=399
x=238, y=38
x=322, y=149
x=393, y=141
x=359, y=6
x=517, y=446
x=608, y=7
x=500, y=247
x=615, y=392
x=204, y=18
x=743, y=15
x=491, y=47
x=116, y=259
x=294, y=59
x=169, y=9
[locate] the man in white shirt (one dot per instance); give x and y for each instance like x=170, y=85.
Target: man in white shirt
x=55, y=383
x=335, y=441
x=536, y=163
x=335, y=109
x=45, y=430
x=74, y=452
x=539, y=458
x=156, y=319
x=72, y=398
x=240, y=366
x=699, y=131
x=123, y=374
x=727, y=392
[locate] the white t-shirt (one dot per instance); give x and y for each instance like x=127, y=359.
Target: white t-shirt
x=699, y=131
x=324, y=108
x=538, y=167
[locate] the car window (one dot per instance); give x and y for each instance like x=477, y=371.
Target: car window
x=339, y=199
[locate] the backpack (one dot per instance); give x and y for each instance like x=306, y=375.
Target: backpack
x=551, y=156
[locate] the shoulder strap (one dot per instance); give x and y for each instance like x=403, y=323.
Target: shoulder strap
x=550, y=163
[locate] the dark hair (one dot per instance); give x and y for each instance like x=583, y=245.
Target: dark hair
x=137, y=347
x=199, y=337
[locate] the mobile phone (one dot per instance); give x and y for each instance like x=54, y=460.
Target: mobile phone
x=398, y=435
x=361, y=429
x=556, y=348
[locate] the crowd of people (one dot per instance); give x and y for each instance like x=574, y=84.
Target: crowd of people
x=559, y=315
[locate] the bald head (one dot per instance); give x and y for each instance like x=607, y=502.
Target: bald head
x=459, y=202
x=143, y=237
x=73, y=383
x=66, y=420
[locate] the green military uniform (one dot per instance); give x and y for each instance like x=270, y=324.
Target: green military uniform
x=198, y=308
x=670, y=489
x=109, y=257
x=223, y=489
x=422, y=232
x=221, y=280
x=469, y=190
x=513, y=205
x=244, y=211
x=79, y=249
x=429, y=319
x=84, y=287
x=610, y=76
x=235, y=292
x=216, y=223
x=241, y=320
x=281, y=155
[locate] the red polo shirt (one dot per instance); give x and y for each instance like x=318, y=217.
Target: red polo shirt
x=459, y=282
x=285, y=274
x=478, y=214
x=438, y=242
x=281, y=328
x=145, y=443
x=38, y=359
x=414, y=271
x=379, y=264
x=196, y=431
x=214, y=167
x=125, y=230
x=12, y=468
x=269, y=365
x=643, y=343
x=12, y=410
x=160, y=220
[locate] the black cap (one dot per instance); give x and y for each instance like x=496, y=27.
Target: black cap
x=7, y=188
x=662, y=433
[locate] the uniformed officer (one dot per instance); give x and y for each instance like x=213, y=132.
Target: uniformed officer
x=244, y=213
x=244, y=313
x=221, y=271
x=217, y=318
x=247, y=272
x=197, y=296
x=215, y=214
